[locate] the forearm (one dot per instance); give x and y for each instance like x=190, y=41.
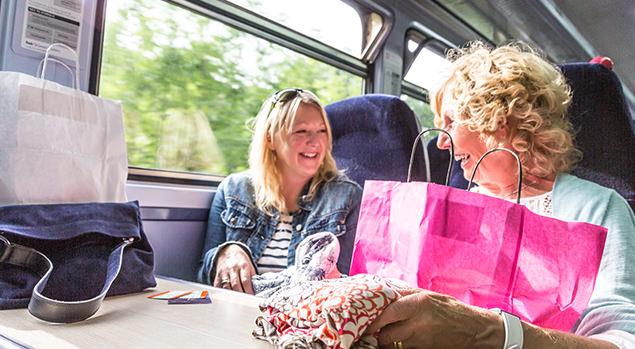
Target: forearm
x=205, y=271
x=214, y=237
x=439, y=321
x=537, y=337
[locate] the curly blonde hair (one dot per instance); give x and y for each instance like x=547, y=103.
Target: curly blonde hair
x=512, y=85
x=276, y=117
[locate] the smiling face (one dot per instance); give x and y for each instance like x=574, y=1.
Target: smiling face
x=495, y=171
x=301, y=151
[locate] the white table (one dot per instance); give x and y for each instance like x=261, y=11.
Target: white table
x=134, y=321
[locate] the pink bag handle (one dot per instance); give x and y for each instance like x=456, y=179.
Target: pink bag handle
x=520, y=169
x=425, y=153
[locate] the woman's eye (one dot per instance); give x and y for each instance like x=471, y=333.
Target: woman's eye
x=300, y=131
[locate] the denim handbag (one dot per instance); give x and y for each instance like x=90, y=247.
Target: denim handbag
x=62, y=259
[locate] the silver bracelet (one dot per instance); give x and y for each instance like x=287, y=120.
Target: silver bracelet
x=513, y=329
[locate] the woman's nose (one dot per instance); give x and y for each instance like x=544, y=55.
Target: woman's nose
x=312, y=137
x=443, y=141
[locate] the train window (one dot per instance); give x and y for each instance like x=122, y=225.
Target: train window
x=483, y=17
x=424, y=66
x=189, y=84
x=342, y=30
x=421, y=108
x=426, y=69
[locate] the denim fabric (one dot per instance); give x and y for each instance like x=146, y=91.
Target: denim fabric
x=78, y=239
x=235, y=219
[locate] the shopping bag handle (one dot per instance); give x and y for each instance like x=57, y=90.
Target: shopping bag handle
x=75, y=58
x=520, y=170
x=425, y=154
x=53, y=310
x=39, y=69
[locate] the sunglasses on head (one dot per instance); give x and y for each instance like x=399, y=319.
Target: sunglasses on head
x=286, y=95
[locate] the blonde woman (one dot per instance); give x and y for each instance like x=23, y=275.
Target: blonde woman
x=512, y=97
x=293, y=189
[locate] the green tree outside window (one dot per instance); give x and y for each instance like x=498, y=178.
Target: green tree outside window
x=189, y=85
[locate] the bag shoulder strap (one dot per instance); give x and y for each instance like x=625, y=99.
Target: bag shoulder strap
x=52, y=310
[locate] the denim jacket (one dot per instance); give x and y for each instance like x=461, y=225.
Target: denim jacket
x=235, y=219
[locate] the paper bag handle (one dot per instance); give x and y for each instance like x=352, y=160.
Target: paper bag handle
x=520, y=170
x=425, y=153
x=75, y=58
x=39, y=69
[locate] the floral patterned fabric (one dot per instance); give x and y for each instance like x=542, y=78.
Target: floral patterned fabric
x=330, y=313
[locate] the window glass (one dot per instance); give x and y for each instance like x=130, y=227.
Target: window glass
x=428, y=68
x=189, y=84
x=332, y=22
x=482, y=16
x=425, y=116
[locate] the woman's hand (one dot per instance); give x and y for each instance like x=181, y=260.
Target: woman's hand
x=234, y=269
x=425, y=319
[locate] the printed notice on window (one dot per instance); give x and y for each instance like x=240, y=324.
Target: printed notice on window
x=52, y=21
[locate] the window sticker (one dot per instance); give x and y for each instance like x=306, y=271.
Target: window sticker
x=52, y=21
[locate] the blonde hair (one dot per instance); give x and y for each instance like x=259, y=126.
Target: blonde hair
x=275, y=117
x=514, y=85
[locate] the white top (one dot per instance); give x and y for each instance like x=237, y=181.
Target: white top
x=540, y=204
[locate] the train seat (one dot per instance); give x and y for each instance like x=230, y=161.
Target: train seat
x=604, y=126
x=373, y=136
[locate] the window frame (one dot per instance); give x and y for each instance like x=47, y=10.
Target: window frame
x=261, y=27
x=427, y=40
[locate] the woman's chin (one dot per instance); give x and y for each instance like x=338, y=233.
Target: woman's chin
x=307, y=173
x=467, y=171
x=309, y=166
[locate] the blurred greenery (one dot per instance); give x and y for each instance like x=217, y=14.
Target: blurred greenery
x=424, y=115
x=188, y=85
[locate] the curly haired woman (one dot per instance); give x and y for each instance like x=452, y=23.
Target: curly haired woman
x=512, y=97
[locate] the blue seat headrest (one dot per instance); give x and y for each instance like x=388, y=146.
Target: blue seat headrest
x=373, y=136
x=602, y=120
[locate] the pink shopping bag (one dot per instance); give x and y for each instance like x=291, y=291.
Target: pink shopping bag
x=482, y=250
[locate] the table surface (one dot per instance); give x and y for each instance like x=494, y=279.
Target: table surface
x=134, y=321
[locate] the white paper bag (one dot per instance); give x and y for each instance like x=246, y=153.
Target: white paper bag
x=59, y=144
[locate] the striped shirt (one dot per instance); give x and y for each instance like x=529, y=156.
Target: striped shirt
x=274, y=257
